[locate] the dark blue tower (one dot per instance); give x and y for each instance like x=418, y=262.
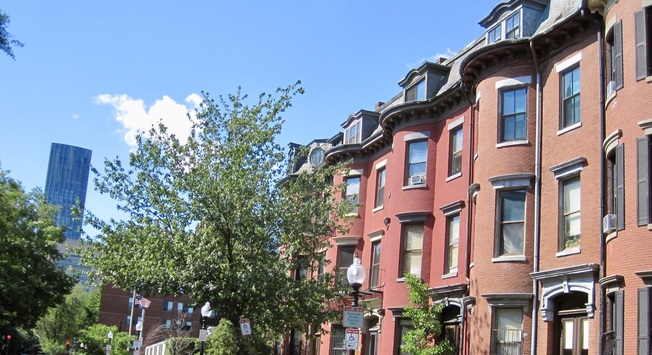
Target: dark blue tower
x=66, y=183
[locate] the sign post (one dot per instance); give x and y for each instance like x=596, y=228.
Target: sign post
x=353, y=317
x=352, y=337
x=245, y=326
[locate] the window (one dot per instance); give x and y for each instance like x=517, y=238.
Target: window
x=494, y=35
x=570, y=213
x=352, y=192
x=416, y=92
x=416, y=162
x=511, y=222
x=321, y=267
x=301, y=271
x=513, y=26
x=617, y=185
x=344, y=260
x=168, y=324
x=374, y=278
x=643, y=19
x=412, y=249
x=180, y=307
x=404, y=326
x=353, y=133
x=507, y=332
x=296, y=342
x=380, y=188
x=455, y=159
x=338, y=342
x=570, y=95
x=615, y=322
x=513, y=119
x=191, y=310
x=644, y=319
x=168, y=306
x=452, y=243
x=614, y=41
x=643, y=179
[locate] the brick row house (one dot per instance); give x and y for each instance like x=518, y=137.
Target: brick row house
x=513, y=178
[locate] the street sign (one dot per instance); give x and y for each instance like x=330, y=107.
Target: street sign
x=202, y=334
x=245, y=326
x=352, y=339
x=353, y=317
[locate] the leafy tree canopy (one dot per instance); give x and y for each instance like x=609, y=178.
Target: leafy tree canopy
x=65, y=322
x=30, y=281
x=6, y=42
x=216, y=217
x=424, y=337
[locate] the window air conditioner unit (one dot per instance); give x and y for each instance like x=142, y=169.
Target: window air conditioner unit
x=417, y=179
x=611, y=88
x=609, y=223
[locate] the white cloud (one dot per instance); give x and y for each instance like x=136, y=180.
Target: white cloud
x=136, y=117
x=449, y=53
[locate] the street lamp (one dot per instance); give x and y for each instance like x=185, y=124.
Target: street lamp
x=108, y=346
x=206, y=312
x=139, y=329
x=355, y=274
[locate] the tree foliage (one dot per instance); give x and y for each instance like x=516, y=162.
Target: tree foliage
x=216, y=218
x=223, y=341
x=95, y=338
x=30, y=281
x=65, y=322
x=6, y=43
x=422, y=339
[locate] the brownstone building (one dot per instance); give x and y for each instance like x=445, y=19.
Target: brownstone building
x=513, y=178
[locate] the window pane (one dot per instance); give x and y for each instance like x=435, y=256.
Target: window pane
x=513, y=205
x=418, y=152
x=513, y=239
x=412, y=245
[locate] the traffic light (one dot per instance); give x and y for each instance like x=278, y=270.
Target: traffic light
x=67, y=344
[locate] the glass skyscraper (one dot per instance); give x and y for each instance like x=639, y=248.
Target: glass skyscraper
x=65, y=185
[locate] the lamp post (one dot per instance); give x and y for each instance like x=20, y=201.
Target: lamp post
x=139, y=330
x=108, y=346
x=206, y=312
x=355, y=274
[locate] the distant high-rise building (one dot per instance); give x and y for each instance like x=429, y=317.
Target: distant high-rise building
x=65, y=185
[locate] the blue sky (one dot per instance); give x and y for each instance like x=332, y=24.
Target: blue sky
x=92, y=72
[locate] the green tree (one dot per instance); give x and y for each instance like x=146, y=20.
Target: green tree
x=6, y=42
x=223, y=341
x=423, y=338
x=215, y=218
x=30, y=281
x=65, y=322
x=95, y=340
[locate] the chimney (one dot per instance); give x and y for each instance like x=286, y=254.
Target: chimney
x=378, y=104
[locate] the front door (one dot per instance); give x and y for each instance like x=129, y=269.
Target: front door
x=371, y=347
x=574, y=336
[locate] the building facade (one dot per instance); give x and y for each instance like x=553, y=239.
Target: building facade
x=513, y=178
x=65, y=186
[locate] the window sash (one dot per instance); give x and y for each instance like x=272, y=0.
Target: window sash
x=352, y=192
x=570, y=92
x=513, y=115
x=456, y=151
x=495, y=34
x=417, y=156
x=507, y=334
x=412, y=249
x=511, y=232
x=375, y=264
x=380, y=187
x=571, y=221
x=512, y=26
x=453, y=240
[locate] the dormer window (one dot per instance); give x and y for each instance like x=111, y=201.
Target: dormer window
x=495, y=34
x=513, y=26
x=353, y=133
x=509, y=28
x=416, y=92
